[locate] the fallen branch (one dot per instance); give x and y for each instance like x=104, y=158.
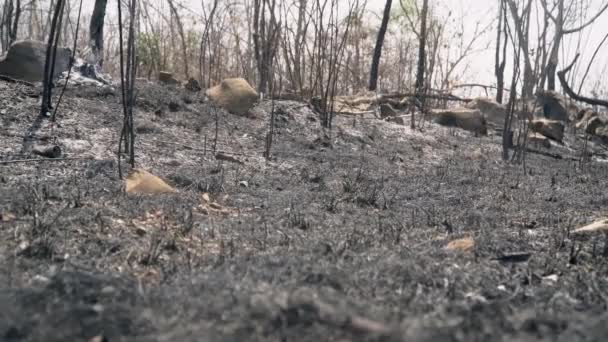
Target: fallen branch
x=49, y=151
x=40, y=160
x=562, y=80
x=12, y=80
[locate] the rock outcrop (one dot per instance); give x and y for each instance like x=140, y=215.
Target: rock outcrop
x=555, y=107
x=166, y=77
x=387, y=111
x=552, y=129
x=493, y=111
x=467, y=119
x=25, y=61
x=235, y=95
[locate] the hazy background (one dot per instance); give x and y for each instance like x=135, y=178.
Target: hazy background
x=478, y=67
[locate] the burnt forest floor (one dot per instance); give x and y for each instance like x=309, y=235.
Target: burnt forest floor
x=339, y=237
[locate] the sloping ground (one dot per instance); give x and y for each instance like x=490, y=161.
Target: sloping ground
x=337, y=238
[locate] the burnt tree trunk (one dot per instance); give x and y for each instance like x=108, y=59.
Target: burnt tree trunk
x=420, y=88
x=499, y=67
x=96, y=31
x=373, y=77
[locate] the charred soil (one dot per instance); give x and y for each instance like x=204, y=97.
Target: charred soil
x=340, y=236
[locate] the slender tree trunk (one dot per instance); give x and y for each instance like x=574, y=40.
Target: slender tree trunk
x=96, y=31
x=49, y=62
x=180, y=31
x=15, y=23
x=499, y=68
x=373, y=77
x=420, y=87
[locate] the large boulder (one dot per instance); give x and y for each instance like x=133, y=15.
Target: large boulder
x=387, y=111
x=555, y=107
x=166, y=77
x=25, y=61
x=467, y=119
x=538, y=140
x=602, y=132
x=552, y=129
x=589, y=122
x=493, y=111
x=235, y=95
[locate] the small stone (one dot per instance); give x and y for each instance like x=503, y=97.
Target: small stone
x=24, y=246
x=550, y=279
x=41, y=280
x=98, y=338
x=7, y=217
x=140, y=231
x=244, y=184
x=173, y=106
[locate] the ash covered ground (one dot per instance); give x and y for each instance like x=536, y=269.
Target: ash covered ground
x=341, y=236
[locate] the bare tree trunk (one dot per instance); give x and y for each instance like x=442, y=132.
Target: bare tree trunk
x=265, y=38
x=180, y=30
x=499, y=68
x=96, y=31
x=49, y=61
x=373, y=77
x=420, y=86
x=15, y=26
x=560, y=31
x=522, y=29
